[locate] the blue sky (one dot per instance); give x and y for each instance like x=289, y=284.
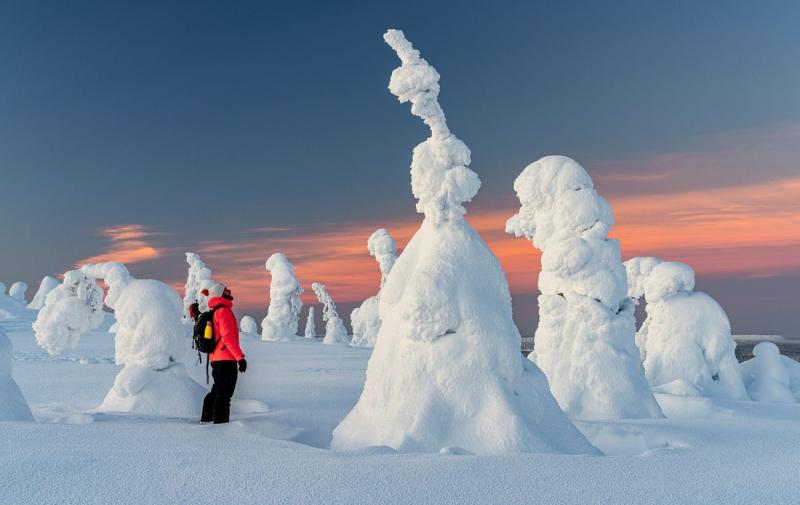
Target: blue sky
x=198, y=120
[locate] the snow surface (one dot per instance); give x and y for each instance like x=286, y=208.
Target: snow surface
x=285, y=304
x=686, y=336
x=446, y=373
x=365, y=319
x=311, y=325
x=335, y=332
x=45, y=286
x=293, y=395
x=585, y=339
x=770, y=376
x=13, y=406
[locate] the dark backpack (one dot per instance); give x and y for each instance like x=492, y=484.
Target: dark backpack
x=203, y=338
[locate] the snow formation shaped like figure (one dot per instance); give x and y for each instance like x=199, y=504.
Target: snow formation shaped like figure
x=248, y=325
x=335, y=332
x=311, y=325
x=45, y=286
x=770, y=376
x=17, y=292
x=585, y=339
x=285, y=304
x=366, y=319
x=13, y=406
x=70, y=310
x=198, y=279
x=446, y=370
x=686, y=336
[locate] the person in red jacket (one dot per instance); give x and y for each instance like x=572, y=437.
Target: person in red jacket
x=227, y=358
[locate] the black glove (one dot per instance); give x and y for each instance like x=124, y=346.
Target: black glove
x=243, y=365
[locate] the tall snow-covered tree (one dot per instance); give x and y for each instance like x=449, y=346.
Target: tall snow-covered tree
x=585, y=339
x=285, y=304
x=311, y=325
x=45, y=286
x=446, y=369
x=197, y=279
x=335, y=332
x=366, y=319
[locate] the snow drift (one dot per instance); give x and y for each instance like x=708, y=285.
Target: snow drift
x=585, y=339
x=770, y=376
x=686, y=336
x=13, y=406
x=335, y=332
x=285, y=304
x=446, y=370
x=365, y=319
x=45, y=286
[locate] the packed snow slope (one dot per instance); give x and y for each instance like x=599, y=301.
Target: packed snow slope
x=286, y=405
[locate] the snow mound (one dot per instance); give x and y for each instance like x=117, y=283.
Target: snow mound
x=446, y=370
x=687, y=334
x=197, y=279
x=17, y=292
x=585, y=339
x=365, y=319
x=770, y=376
x=169, y=392
x=248, y=326
x=285, y=304
x=311, y=325
x=45, y=286
x=13, y=406
x=335, y=332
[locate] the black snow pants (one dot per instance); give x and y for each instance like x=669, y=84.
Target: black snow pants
x=217, y=404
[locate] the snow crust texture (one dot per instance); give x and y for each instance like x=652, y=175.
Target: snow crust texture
x=335, y=332
x=770, y=376
x=365, y=319
x=585, y=339
x=446, y=371
x=13, y=406
x=285, y=304
x=46, y=285
x=686, y=336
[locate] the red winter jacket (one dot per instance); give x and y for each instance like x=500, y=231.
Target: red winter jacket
x=226, y=330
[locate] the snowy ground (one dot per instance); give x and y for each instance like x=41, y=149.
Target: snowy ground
x=294, y=394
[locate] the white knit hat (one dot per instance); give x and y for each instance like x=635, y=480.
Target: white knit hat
x=216, y=290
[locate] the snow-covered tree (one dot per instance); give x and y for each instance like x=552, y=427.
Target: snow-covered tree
x=285, y=304
x=365, y=319
x=335, y=332
x=446, y=369
x=17, y=292
x=248, y=325
x=72, y=309
x=13, y=406
x=770, y=376
x=585, y=339
x=198, y=279
x=686, y=339
x=150, y=338
x=311, y=325
x=45, y=286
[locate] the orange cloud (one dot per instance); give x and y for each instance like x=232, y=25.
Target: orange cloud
x=129, y=244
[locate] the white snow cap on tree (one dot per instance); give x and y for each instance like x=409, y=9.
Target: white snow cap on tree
x=365, y=319
x=770, y=376
x=248, y=325
x=285, y=304
x=45, y=286
x=585, y=339
x=70, y=310
x=198, y=279
x=686, y=338
x=13, y=406
x=311, y=325
x=335, y=332
x=446, y=369
x=17, y=291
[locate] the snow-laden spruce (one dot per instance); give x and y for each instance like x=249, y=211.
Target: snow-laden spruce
x=248, y=326
x=770, y=376
x=17, y=291
x=45, y=286
x=150, y=338
x=335, y=332
x=311, y=325
x=70, y=310
x=585, y=339
x=13, y=406
x=685, y=343
x=365, y=319
x=197, y=279
x=446, y=370
x=285, y=304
